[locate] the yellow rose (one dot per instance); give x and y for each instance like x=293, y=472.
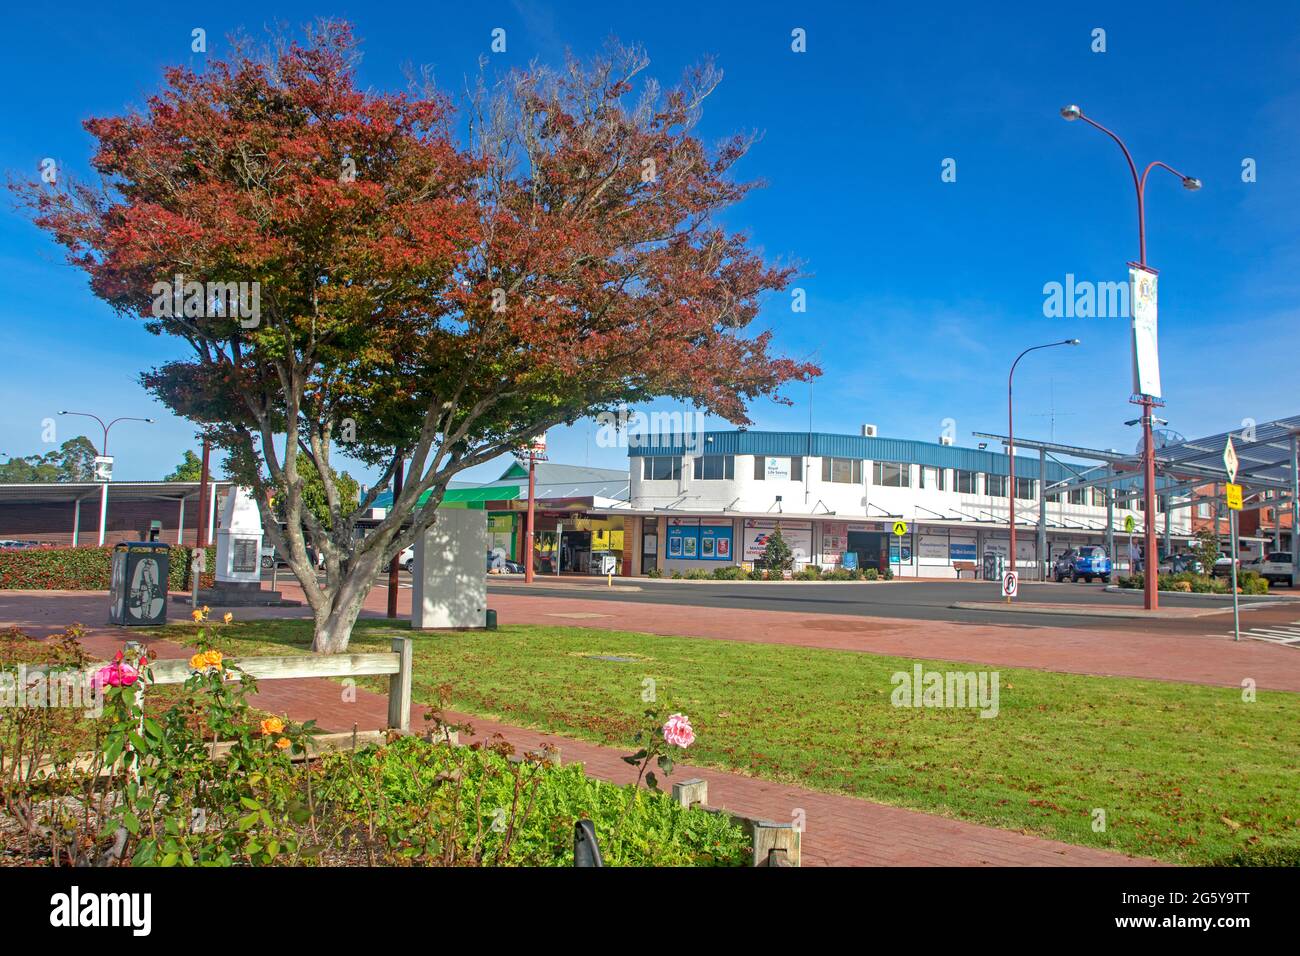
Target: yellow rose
x=205, y=610
x=213, y=658
x=272, y=725
x=197, y=615
x=282, y=743
x=228, y=618
x=198, y=662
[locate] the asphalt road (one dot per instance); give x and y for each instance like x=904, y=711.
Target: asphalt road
x=912, y=600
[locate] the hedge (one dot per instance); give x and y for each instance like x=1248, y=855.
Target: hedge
x=85, y=569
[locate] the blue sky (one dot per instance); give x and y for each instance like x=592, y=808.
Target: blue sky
x=919, y=292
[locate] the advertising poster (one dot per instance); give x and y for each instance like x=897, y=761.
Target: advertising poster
x=675, y=540
x=797, y=534
x=1146, y=353
x=715, y=542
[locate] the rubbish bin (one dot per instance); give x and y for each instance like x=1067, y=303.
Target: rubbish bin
x=994, y=564
x=138, y=588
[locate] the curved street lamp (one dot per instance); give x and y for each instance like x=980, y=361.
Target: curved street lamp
x=103, y=490
x=1147, y=402
x=1011, y=443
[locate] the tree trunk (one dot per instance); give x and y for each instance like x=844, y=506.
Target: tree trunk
x=338, y=613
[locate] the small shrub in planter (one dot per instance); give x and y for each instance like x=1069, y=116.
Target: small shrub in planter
x=698, y=574
x=732, y=573
x=809, y=573
x=654, y=573
x=871, y=574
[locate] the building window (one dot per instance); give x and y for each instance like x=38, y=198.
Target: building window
x=760, y=467
x=1078, y=496
x=934, y=478
x=715, y=468
x=843, y=471
x=1054, y=498
x=995, y=486
x=891, y=474
x=1025, y=489
x=964, y=482
x=1098, y=498
x=660, y=468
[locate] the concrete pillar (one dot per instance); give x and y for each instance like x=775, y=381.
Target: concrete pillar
x=180, y=524
x=1165, y=499
x=76, y=521
x=103, y=512
x=212, y=514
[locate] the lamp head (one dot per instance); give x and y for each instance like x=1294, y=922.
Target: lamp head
x=1071, y=112
x=1070, y=342
x=1191, y=183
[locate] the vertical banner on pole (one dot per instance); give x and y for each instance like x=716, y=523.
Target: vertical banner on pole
x=1146, y=355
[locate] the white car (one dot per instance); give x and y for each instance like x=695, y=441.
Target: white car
x=406, y=559
x=1276, y=567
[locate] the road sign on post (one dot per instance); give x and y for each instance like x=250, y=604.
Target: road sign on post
x=1230, y=460
x=1010, y=584
x=900, y=528
x=1234, y=496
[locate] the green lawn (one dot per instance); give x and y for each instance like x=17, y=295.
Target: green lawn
x=1184, y=773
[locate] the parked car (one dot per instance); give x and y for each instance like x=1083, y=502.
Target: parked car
x=1223, y=566
x=1276, y=567
x=407, y=558
x=1087, y=563
x=271, y=557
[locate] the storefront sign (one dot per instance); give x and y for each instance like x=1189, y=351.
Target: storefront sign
x=695, y=539
x=933, y=548
x=776, y=469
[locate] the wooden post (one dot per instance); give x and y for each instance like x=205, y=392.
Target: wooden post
x=691, y=792
x=394, y=582
x=782, y=837
x=399, y=687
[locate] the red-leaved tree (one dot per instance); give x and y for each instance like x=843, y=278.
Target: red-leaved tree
x=352, y=265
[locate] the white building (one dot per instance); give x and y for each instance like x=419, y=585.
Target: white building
x=702, y=502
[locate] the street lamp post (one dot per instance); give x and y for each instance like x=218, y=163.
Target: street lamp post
x=103, y=452
x=1147, y=402
x=1011, y=442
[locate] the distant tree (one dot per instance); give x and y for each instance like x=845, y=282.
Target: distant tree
x=314, y=497
x=73, y=461
x=777, y=555
x=190, y=469
x=1207, y=549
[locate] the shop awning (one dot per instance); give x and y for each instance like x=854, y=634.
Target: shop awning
x=473, y=497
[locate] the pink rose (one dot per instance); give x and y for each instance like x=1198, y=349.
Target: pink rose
x=115, y=675
x=678, y=732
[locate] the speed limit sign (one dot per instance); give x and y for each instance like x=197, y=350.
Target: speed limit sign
x=1010, y=584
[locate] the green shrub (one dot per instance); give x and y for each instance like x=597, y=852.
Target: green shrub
x=871, y=574
x=634, y=827
x=699, y=574
x=85, y=569
x=677, y=575
x=732, y=573
x=809, y=573
x=655, y=573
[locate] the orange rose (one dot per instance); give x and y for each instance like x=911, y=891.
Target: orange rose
x=272, y=725
x=282, y=743
x=228, y=618
x=196, y=615
x=213, y=658
x=198, y=662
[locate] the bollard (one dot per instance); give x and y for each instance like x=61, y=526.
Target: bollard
x=586, y=851
x=691, y=792
x=781, y=837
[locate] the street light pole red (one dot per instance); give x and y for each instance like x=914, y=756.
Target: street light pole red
x=1148, y=402
x=1011, y=444
x=528, y=522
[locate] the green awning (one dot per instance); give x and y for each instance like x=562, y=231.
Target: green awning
x=473, y=497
